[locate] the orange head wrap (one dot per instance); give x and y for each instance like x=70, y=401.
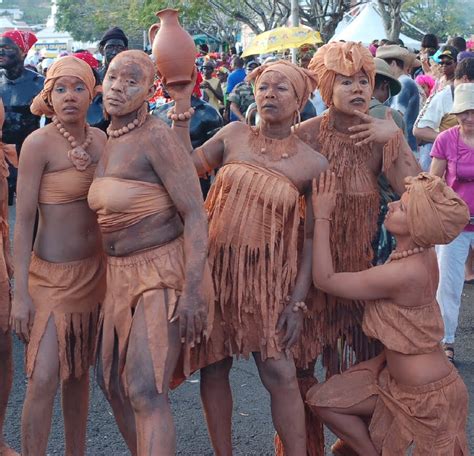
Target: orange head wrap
x=302, y=80
x=65, y=66
x=435, y=212
x=340, y=58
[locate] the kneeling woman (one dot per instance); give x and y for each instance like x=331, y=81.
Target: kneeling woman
x=59, y=286
x=410, y=394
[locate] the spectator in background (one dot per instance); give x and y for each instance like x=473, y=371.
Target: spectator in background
x=235, y=77
x=242, y=96
x=112, y=43
x=211, y=86
x=407, y=102
x=436, y=115
x=458, y=42
x=453, y=159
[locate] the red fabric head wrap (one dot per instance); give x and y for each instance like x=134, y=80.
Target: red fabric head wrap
x=88, y=58
x=24, y=40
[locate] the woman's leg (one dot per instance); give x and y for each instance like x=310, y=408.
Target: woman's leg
x=6, y=380
x=40, y=393
x=120, y=404
x=156, y=434
x=451, y=261
x=216, y=397
x=75, y=403
x=349, y=424
x=279, y=378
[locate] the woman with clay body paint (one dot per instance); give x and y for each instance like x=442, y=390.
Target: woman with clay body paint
x=410, y=396
x=254, y=215
x=358, y=148
x=150, y=211
x=58, y=287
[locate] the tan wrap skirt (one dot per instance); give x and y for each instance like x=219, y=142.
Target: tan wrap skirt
x=153, y=279
x=71, y=294
x=5, y=306
x=431, y=418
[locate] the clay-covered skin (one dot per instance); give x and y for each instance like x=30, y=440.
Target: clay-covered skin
x=151, y=153
x=403, y=286
x=277, y=103
x=66, y=232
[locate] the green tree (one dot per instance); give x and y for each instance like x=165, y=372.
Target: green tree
x=444, y=18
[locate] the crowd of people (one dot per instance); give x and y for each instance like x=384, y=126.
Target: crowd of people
x=290, y=212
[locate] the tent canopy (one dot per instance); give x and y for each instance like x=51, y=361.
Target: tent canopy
x=366, y=27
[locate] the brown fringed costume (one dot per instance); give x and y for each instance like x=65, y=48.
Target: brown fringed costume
x=69, y=292
x=153, y=278
x=253, y=229
x=7, y=155
x=431, y=417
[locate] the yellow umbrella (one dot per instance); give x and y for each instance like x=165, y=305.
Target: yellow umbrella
x=282, y=38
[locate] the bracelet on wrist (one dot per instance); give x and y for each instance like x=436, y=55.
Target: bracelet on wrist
x=186, y=115
x=328, y=219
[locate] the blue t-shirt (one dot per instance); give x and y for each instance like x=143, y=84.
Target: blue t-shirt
x=234, y=78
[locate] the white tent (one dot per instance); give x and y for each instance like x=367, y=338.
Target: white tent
x=367, y=26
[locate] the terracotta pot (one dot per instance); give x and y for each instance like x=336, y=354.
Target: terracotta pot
x=173, y=48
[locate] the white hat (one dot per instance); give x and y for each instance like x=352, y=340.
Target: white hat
x=463, y=98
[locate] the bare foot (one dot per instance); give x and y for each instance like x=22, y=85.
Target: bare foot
x=5, y=450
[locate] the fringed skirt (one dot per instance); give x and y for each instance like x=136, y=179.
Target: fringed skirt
x=153, y=279
x=429, y=418
x=69, y=293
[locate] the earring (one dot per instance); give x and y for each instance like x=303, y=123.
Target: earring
x=297, y=121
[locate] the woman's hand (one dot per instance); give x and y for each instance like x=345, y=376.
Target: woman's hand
x=22, y=316
x=182, y=91
x=375, y=130
x=324, y=195
x=292, y=322
x=192, y=315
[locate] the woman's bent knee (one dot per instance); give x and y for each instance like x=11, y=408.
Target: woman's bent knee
x=144, y=396
x=43, y=383
x=218, y=371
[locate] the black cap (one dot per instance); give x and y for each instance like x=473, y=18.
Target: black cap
x=114, y=33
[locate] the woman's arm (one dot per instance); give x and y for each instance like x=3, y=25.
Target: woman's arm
x=30, y=171
x=375, y=283
x=174, y=167
x=438, y=167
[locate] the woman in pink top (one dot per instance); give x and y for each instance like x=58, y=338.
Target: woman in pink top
x=453, y=158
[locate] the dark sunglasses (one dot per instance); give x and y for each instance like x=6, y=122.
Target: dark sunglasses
x=446, y=62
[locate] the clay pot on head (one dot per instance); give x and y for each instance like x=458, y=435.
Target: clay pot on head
x=173, y=48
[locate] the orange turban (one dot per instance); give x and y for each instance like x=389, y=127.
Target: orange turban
x=340, y=58
x=302, y=80
x=65, y=66
x=435, y=212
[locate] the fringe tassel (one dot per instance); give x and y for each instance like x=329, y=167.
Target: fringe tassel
x=253, y=229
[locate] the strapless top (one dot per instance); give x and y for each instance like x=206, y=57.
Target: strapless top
x=120, y=203
x=65, y=186
x=409, y=330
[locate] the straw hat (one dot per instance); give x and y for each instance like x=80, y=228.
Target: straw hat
x=463, y=98
x=393, y=51
x=383, y=68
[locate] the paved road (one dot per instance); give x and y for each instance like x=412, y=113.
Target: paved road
x=253, y=431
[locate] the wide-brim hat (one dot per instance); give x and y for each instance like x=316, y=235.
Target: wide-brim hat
x=463, y=98
x=393, y=51
x=383, y=68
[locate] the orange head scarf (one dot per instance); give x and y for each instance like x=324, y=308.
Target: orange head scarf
x=65, y=66
x=340, y=58
x=435, y=212
x=302, y=80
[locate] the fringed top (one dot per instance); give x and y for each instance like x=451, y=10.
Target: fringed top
x=355, y=218
x=253, y=229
